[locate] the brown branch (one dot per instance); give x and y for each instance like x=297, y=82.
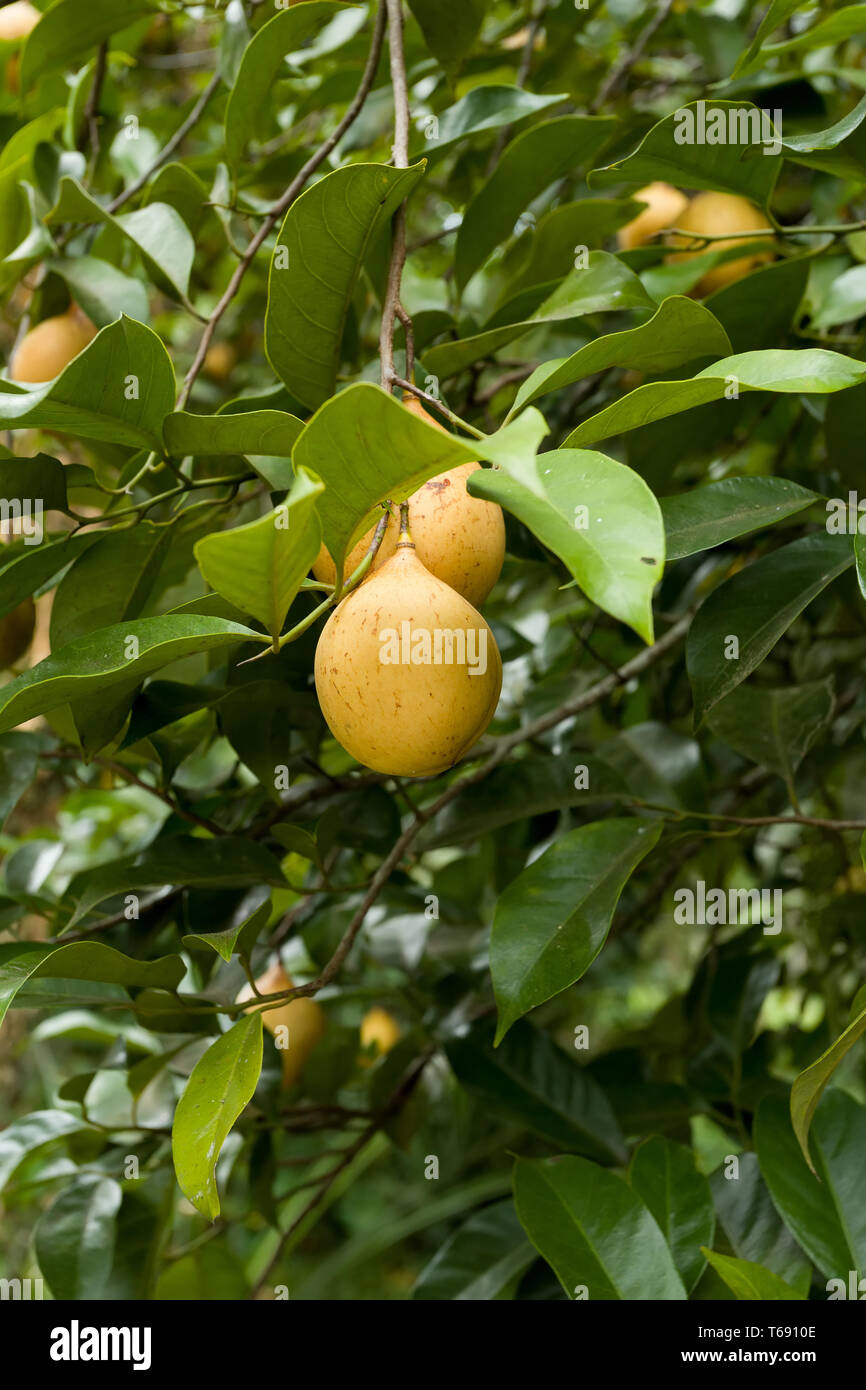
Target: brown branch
x=90, y=119
x=392, y=308
x=168, y=150
x=280, y=208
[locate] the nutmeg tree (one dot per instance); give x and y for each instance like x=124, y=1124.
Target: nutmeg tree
x=432, y=629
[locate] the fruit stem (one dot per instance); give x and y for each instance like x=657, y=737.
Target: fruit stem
x=405, y=542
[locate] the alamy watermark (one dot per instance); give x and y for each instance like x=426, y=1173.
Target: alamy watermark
x=422, y=646
x=715, y=907
x=22, y=517
x=700, y=124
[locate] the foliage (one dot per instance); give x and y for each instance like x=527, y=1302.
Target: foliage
x=620, y=943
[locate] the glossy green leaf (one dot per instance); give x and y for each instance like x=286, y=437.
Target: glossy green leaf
x=449, y=26
x=594, y=1232
x=784, y=369
x=21, y=961
x=120, y=388
x=227, y=862
x=776, y=14
x=218, y=1090
x=756, y=606
x=35, y=480
x=553, y=918
x=29, y=568
x=775, y=728
x=680, y=330
x=750, y=1282
x=598, y=516
x=260, y=567
x=37, y=1133
x=824, y=1212
x=664, y=1176
x=19, y=760
x=158, y=233
x=315, y=265
x=528, y=165
x=103, y=291
x=605, y=286
x=754, y=1228
x=547, y=250
x=366, y=447
x=255, y=432
x=118, y=655
x=263, y=58
x=694, y=164
x=74, y=1238
x=709, y=516
x=808, y=1087
x=110, y=583
x=530, y=1081
x=67, y=32
x=480, y=1261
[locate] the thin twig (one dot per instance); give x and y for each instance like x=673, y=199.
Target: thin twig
x=630, y=57
x=90, y=120
x=393, y=307
x=168, y=150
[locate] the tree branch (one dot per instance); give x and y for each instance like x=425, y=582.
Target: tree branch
x=392, y=307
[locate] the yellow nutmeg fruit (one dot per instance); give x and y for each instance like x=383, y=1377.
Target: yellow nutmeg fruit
x=720, y=214
x=304, y=1020
x=16, y=633
x=16, y=22
x=47, y=349
x=379, y=1030
x=664, y=204
x=408, y=673
x=460, y=539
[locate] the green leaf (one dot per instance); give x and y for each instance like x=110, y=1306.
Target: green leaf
x=120, y=388
x=256, y=432
x=41, y=479
x=92, y=664
x=366, y=447
x=547, y=251
x=844, y=301
x=826, y=1217
x=178, y=860
x=21, y=961
x=261, y=65
x=36, y=1133
x=750, y=1282
x=103, y=291
x=681, y=330
x=808, y=1087
x=709, y=516
x=528, y=165
x=234, y=940
x=598, y=516
x=315, y=265
x=29, y=568
x=484, y=108
x=260, y=567
x=757, y=310
x=220, y=1086
x=67, y=32
x=695, y=165
x=775, y=728
x=110, y=583
x=553, y=918
x=605, y=286
x=158, y=233
x=752, y=1224
x=450, y=27
x=530, y=1081
x=784, y=369
x=757, y=606
x=74, y=1238
x=664, y=1176
x=19, y=760
x=833, y=29
x=593, y=1231
x=776, y=14
x=479, y=1262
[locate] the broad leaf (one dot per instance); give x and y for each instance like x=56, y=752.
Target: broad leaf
x=120, y=655
x=22, y=961
x=553, y=918
x=316, y=261
x=775, y=728
x=74, y=1238
x=103, y=291
x=752, y=1224
x=664, y=1176
x=709, y=516
x=808, y=1087
x=255, y=432
x=483, y=108
x=480, y=1261
x=66, y=32
x=38, y=1132
x=594, y=1231
x=219, y=1088
x=749, y=1281
x=120, y=388
x=756, y=607
x=530, y=1081
x=449, y=26
x=681, y=330
x=260, y=567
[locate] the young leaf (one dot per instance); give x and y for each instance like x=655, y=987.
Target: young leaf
x=594, y=1231
x=219, y=1088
